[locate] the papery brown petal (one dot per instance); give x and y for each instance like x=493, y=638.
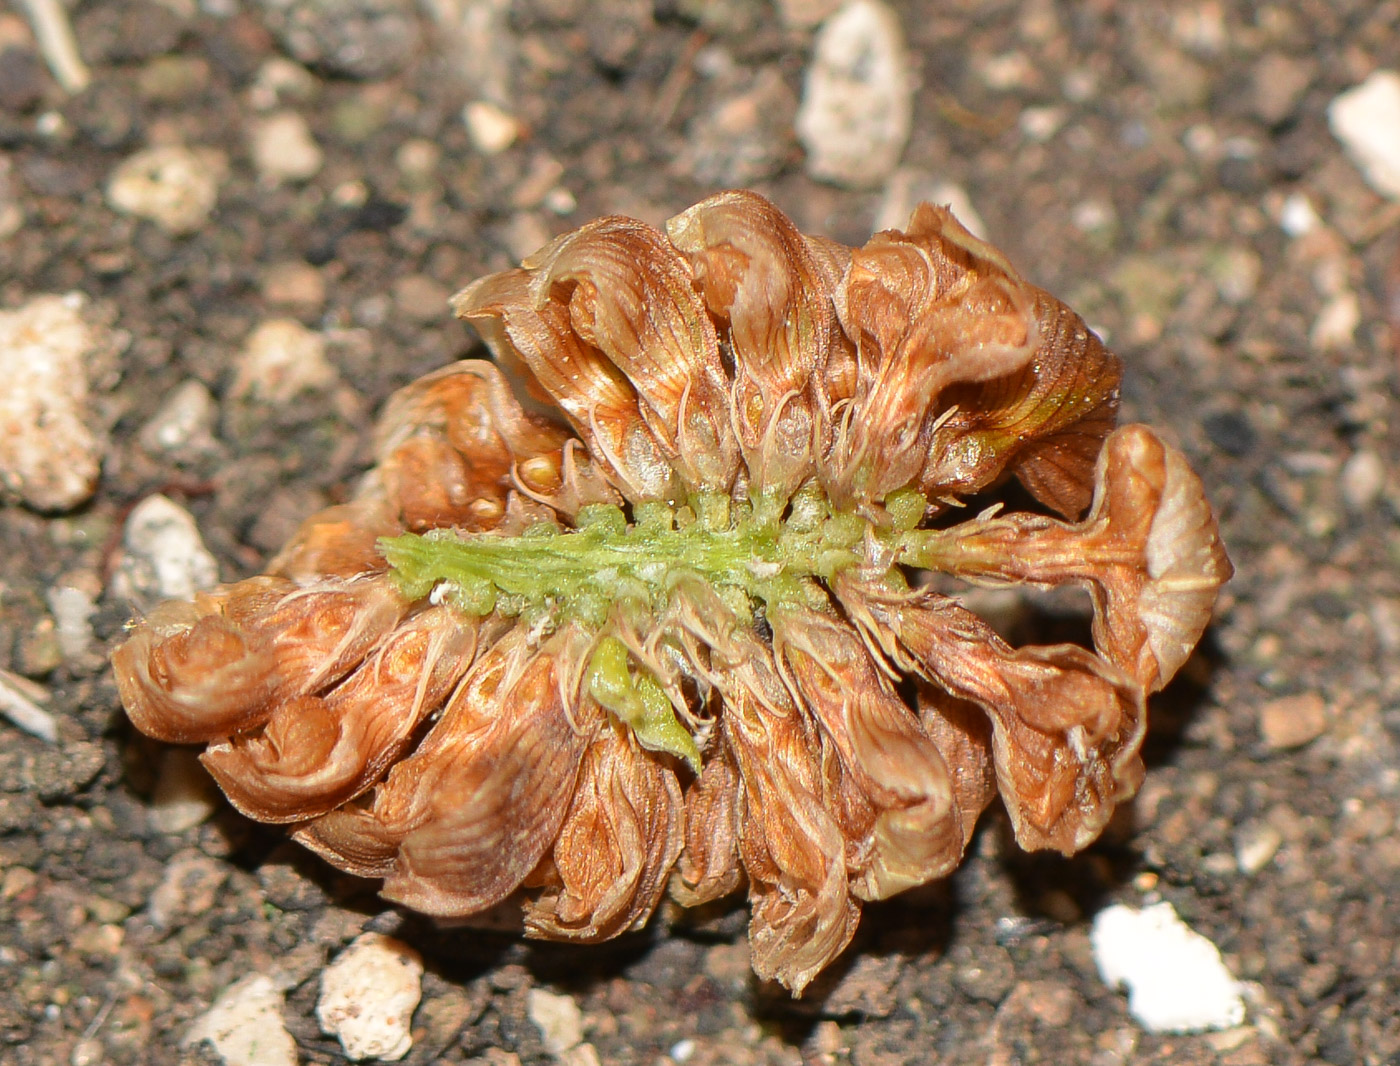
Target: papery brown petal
x=803, y=913
x=593, y=393
x=631, y=296
x=340, y=541
x=764, y=285
x=315, y=754
x=894, y=795
x=926, y=308
x=459, y=824
x=188, y=673
x=962, y=733
x=616, y=847
x=708, y=868
x=1067, y=727
x=1046, y=422
x=1149, y=551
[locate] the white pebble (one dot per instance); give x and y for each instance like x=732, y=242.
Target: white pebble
x=858, y=98
x=1366, y=119
x=283, y=149
x=558, y=1019
x=50, y=445
x=1176, y=979
x=492, y=129
x=244, y=1026
x=184, y=794
x=1363, y=480
x=1255, y=847
x=72, y=608
x=182, y=426
x=1335, y=326
x=175, y=187
x=1297, y=216
x=280, y=359
x=368, y=996
x=165, y=559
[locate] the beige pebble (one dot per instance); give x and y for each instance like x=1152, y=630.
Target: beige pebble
x=52, y=349
x=368, y=995
x=858, y=97
x=491, y=128
x=245, y=1027
x=558, y=1019
x=173, y=186
x=294, y=284
x=283, y=148
x=1292, y=721
x=280, y=359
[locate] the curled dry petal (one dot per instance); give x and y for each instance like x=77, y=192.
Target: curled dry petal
x=926, y=309
x=460, y=823
x=340, y=541
x=1067, y=727
x=892, y=793
x=1149, y=551
x=616, y=848
x=317, y=752
x=709, y=861
x=1045, y=423
x=761, y=280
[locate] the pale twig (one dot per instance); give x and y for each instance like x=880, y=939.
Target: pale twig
x=17, y=704
x=55, y=37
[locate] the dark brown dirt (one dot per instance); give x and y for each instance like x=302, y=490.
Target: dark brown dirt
x=1153, y=207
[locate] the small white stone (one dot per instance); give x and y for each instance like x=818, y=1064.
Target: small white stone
x=1366, y=119
x=858, y=97
x=183, y=424
x=174, y=186
x=283, y=148
x=1363, y=480
x=1039, y=124
x=1335, y=325
x=491, y=128
x=1297, y=216
x=1255, y=847
x=368, y=996
x=184, y=795
x=558, y=1019
x=1176, y=979
x=72, y=608
x=165, y=559
x=51, y=446
x=244, y=1026
x=280, y=359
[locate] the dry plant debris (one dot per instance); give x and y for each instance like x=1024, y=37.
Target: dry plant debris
x=645, y=603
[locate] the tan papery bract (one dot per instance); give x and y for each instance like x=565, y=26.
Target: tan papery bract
x=616, y=848
x=316, y=753
x=926, y=309
x=762, y=282
x=893, y=790
x=1045, y=423
x=447, y=829
x=592, y=392
x=1067, y=726
x=708, y=868
x=342, y=540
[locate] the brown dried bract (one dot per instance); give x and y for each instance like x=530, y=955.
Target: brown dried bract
x=664, y=618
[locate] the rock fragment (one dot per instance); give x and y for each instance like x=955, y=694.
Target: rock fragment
x=280, y=359
x=1365, y=119
x=858, y=98
x=558, y=1019
x=165, y=557
x=244, y=1026
x=1292, y=721
x=51, y=349
x=368, y=996
x=173, y=186
x=283, y=148
x=1176, y=979
x=363, y=39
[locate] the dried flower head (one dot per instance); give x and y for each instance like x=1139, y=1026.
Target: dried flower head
x=662, y=617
